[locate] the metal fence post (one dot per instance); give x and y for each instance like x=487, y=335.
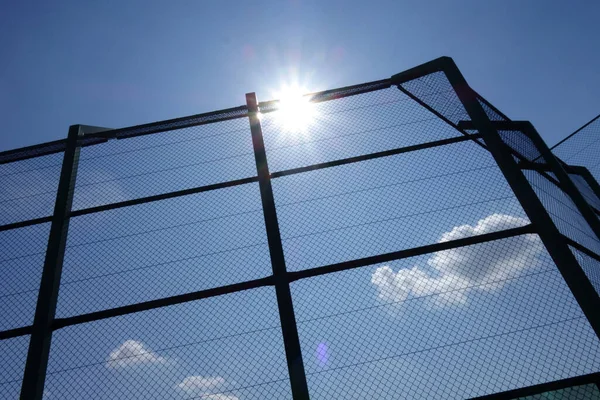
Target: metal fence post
x=289, y=329
x=580, y=286
x=41, y=337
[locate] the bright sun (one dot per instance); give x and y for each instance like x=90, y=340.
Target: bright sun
x=295, y=112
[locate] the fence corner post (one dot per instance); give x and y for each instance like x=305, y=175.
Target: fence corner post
x=553, y=240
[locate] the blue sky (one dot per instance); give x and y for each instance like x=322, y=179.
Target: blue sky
x=461, y=323
x=117, y=63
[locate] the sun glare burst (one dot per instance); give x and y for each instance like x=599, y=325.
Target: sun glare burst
x=295, y=112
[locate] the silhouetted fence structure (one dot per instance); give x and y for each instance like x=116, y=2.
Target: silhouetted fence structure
x=405, y=240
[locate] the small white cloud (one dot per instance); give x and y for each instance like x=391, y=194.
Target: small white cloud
x=483, y=267
x=203, y=387
x=218, y=397
x=132, y=353
x=200, y=383
x=396, y=287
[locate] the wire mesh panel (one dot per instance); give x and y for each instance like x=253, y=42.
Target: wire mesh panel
x=13, y=353
x=454, y=324
x=563, y=212
x=491, y=113
x=164, y=162
x=436, y=91
x=590, y=266
x=22, y=253
x=362, y=124
x=586, y=190
x=522, y=145
x=164, y=248
x=222, y=348
x=28, y=188
x=389, y=204
x=582, y=148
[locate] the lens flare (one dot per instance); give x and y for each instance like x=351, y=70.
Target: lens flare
x=322, y=354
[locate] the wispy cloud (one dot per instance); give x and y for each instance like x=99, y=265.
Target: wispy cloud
x=484, y=267
x=200, y=383
x=204, y=387
x=218, y=397
x=131, y=353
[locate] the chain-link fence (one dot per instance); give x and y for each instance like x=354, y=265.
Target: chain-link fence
x=395, y=239
x=579, y=152
x=582, y=147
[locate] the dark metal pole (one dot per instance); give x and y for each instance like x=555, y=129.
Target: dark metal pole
x=39, y=345
x=563, y=177
x=580, y=286
x=289, y=329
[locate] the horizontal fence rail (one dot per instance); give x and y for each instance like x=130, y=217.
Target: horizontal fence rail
x=400, y=238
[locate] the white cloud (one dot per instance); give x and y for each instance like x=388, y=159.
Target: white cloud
x=484, y=266
x=200, y=383
x=218, y=397
x=201, y=387
x=132, y=353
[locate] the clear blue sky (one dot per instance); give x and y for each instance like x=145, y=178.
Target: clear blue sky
x=118, y=63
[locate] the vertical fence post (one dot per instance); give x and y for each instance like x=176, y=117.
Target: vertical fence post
x=41, y=337
x=565, y=180
x=289, y=329
x=580, y=286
